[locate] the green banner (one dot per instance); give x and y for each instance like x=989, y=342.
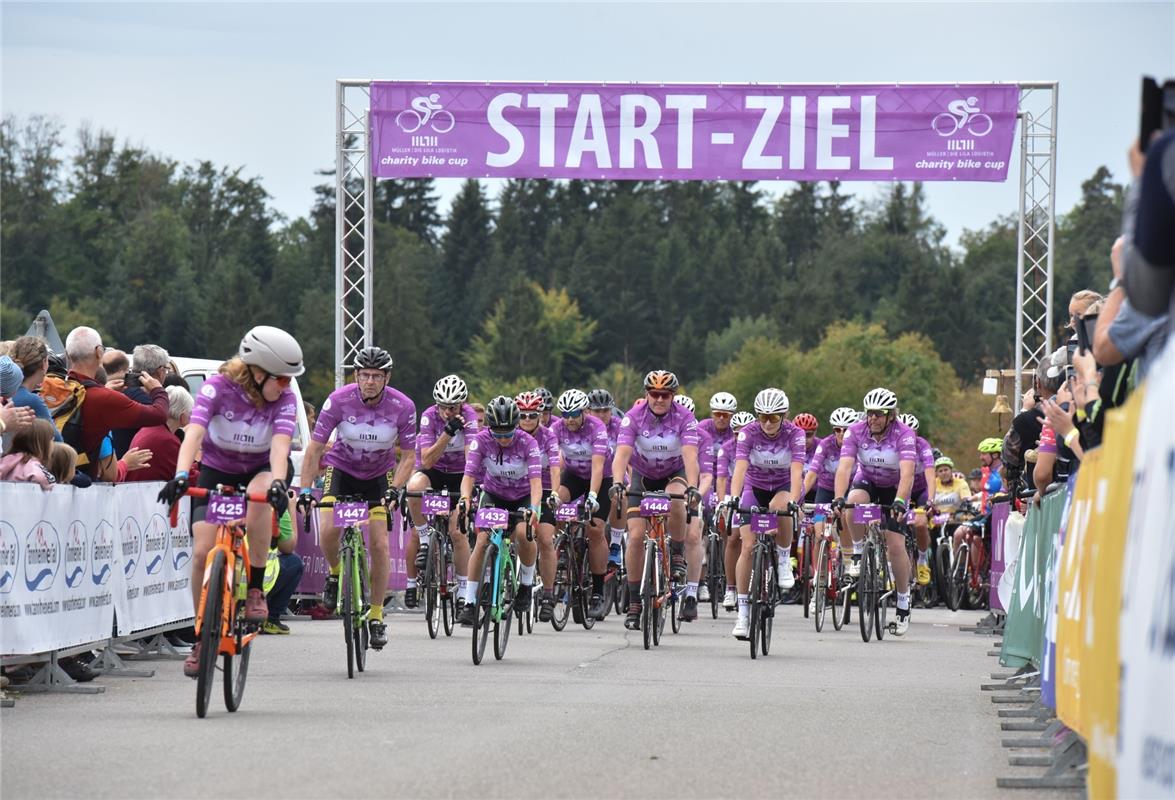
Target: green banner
x=1024, y=629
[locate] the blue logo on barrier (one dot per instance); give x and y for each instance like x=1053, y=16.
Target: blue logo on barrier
x=75, y=554
x=42, y=557
x=155, y=542
x=132, y=546
x=181, y=543
x=9, y=554
x=101, y=553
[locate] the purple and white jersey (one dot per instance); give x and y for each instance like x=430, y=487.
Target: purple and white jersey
x=656, y=442
x=879, y=462
x=769, y=459
x=578, y=448
x=724, y=462
x=824, y=462
x=366, y=436
x=925, y=462
x=504, y=471
x=239, y=432
x=613, y=425
x=432, y=424
x=717, y=440
x=548, y=451
x=707, y=453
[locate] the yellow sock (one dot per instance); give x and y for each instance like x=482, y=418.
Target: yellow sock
x=334, y=571
x=377, y=612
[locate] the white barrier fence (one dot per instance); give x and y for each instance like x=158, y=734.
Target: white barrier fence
x=74, y=560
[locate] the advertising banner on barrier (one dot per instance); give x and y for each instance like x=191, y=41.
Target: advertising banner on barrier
x=1106, y=550
x=155, y=561
x=999, y=521
x=1013, y=529
x=657, y=131
x=1048, y=664
x=1024, y=630
x=1146, y=631
x=57, y=567
x=1075, y=590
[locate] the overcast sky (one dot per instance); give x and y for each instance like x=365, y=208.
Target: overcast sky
x=253, y=85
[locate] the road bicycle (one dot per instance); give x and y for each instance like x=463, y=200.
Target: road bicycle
x=221, y=627
x=715, y=563
x=659, y=595
x=439, y=576
x=764, y=587
x=829, y=584
x=573, y=571
x=499, y=580
x=874, y=585
x=350, y=512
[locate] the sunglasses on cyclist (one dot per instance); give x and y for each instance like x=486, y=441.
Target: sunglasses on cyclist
x=721, y=414
x=281, y=380
x=770, y=419
x=839, y=430
x=873, y=412
x=657, y=395
x=502, y=434
x=573, y=415
x=528, y=415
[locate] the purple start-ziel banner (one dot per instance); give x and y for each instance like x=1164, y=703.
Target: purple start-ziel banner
x=693, y=131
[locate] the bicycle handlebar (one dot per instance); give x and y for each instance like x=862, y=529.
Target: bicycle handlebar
x=196, y=491
x=689, y=509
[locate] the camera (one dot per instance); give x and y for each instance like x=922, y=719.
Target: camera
x=132, y=379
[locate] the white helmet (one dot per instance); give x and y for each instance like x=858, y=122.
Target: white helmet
x=450, y=390
x=771, y=401
x=686, y=402
x=740, y=419
x=724, y=401
x=909, y=420
x=880, y=399
x=842, y=417
x=273, y=350
x=860, y=416
x=571, y=401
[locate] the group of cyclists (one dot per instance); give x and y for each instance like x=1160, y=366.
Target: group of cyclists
x=367, y=444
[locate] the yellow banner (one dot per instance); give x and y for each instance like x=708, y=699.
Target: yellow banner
x=1111, y=512
x=1074, y=587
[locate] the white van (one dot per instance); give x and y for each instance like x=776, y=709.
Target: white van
x=197, y=370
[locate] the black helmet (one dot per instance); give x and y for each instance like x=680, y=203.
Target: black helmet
x=57, y=365
x=373, y=358
x=548, y=398
x=600, y=398
x=502, y=412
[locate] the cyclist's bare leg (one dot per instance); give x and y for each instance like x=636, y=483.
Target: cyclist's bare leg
x=460, y=547
x=779, y=503
x=328, y=537
x=597, y=547
x=733, y=549
x=419, y=482
x=896, y=547
x=635, y=552
x=526, y=550
x=921, y=532
x=694, y=552
x=377, y=544
x=856, y=531
x=259, y=521
x=203, y=538
x=545, y=538
x=742, y=572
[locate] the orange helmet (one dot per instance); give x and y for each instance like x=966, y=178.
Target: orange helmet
x=806, y=422
x=529, y=401
x=661, y=380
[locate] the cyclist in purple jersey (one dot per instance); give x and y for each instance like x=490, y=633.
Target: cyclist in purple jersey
x=724, y=468
x=660, y=440
x=920, y=495
x=879, y=457
x=548, y=404
x=446, y=429
x=809, y=425
x=820, y=479
x=768, y=465
x=583, y=447
x=242, y=423
x=370, y=421
x=507, y=464
x=530, y=411
x=602, y=407
x=695, y=554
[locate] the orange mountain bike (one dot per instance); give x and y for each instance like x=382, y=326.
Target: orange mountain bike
x=220, y=618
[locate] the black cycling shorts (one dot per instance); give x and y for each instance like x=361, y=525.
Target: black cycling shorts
x=824, y=496
x=578, y=487
x=494, y=501
x=209, y=478
x=337, y=483
x=439, y=481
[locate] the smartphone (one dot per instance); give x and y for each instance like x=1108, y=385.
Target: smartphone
x=1085, y=328
x=1158, y=110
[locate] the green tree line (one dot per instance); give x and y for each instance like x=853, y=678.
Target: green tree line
x=561, y=282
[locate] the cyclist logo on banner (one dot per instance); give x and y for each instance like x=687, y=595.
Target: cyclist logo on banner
x=425, y=111
x=962, y=115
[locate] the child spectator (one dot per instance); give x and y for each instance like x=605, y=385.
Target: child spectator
x=31, y=450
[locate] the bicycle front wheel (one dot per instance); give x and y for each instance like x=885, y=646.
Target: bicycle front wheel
x=506, y=605
x=483, y=611
x=756, y=596
x=716, y=579
x=210, y=626
x=768, y=617
x=822, y=584
x=866, y=597
x=959, y=576
x=347, y=600
x=585, y=591
x=562, y=588
x=433, y=574
x=362, y=586
x=648, y=597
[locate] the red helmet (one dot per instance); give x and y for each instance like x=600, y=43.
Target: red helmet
x=806, y=422
x=529, y=401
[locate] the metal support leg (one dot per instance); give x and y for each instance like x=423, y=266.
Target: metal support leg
x=110, y=663
x=52, y=678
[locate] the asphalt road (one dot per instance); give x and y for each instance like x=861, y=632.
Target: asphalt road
x=572, y=714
